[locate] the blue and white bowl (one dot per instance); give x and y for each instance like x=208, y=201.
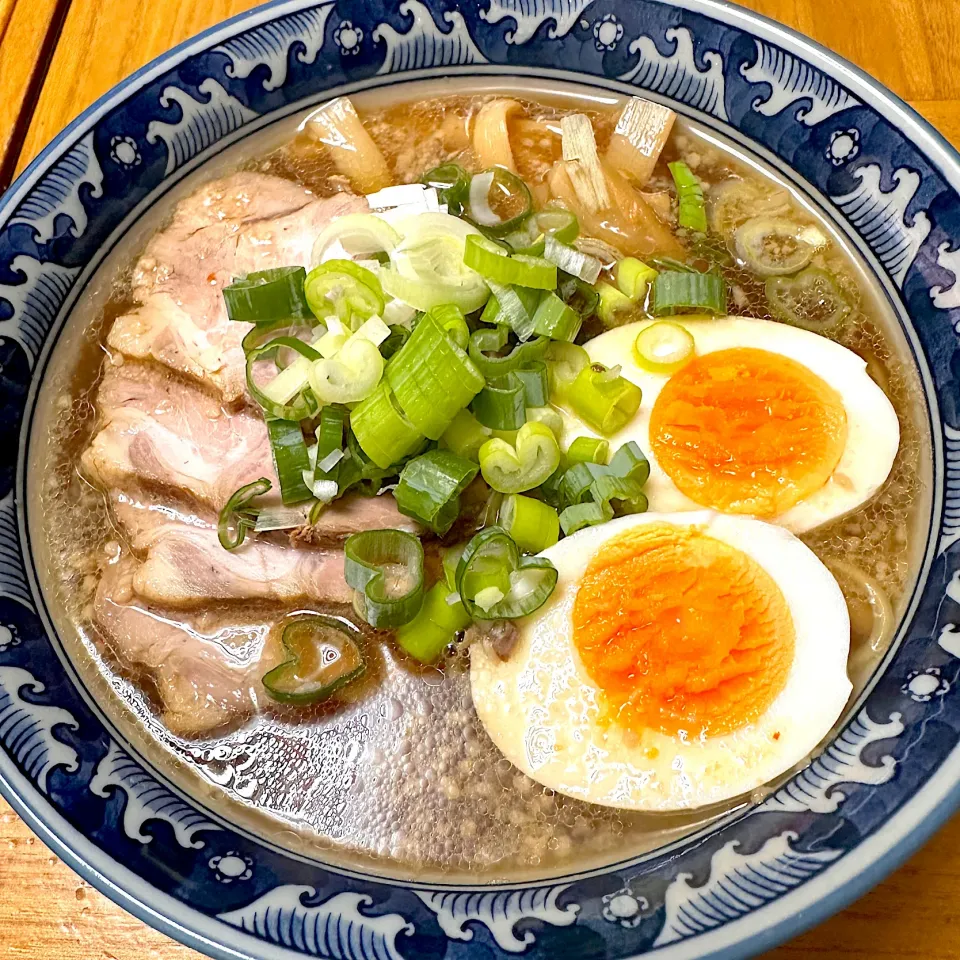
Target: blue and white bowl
x=878, y=790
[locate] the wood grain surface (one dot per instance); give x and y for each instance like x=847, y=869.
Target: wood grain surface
x=77, y=50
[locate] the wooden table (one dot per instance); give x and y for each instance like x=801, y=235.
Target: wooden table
x=56, y=56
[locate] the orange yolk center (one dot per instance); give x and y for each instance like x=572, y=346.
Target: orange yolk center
x=748, y=431
x=682, y=631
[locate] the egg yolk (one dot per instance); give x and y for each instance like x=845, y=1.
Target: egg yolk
x=682, y=632
x=748, y=431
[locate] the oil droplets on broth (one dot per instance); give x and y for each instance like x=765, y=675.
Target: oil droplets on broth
x=402, y=771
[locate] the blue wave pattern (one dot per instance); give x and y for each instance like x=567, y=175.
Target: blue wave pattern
x=529, y=15
x=791, y=81
x=269, y=45
x=738, y=883
x=333, y=928
x=26, y=729
x=58, y=193
x=425, y=44
x=499, y=912
x=13, y=578
x=147, y=799
x=951, y=510
x=677, y=74
x=201, y=124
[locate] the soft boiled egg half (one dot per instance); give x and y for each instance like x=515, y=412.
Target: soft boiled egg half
x=682, y=660
x=765, y=420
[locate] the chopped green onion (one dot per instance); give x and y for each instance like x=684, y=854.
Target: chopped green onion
x=453, y=323
x=486, y=341
x=499, y=201
x=581, y=515
x=580, y=296
x=435, y=627
x=515, y=308
x=587, y=450
x=773, y=246
x=385, y=568
x=557, y=222
x=811, y=300
x=630, y=463
x=382, y=431
x=501, y=404
x=490, y=565
x=548, y=417
x=322, y=657
x=452, y=184
x=351, y=375
x=615, y=308
x=304, y=405
x=398, y=337
x=555, y=319
x=329, y=436
x=526, y=464
x=693, y=210
x=267, y=295
x=604, y=402
x=633, y=277
x=430, y=487
x=432, y=378
x=465, y=436
x=359, y=234
x=492, y=262
x=571, y=260
x=237, y=517
x=550, y=488
x=533, y=524
x=564, y=361
x=533, y=376
x=664, y=347
x=675, y=291
x=290, y=457
x=346, y=289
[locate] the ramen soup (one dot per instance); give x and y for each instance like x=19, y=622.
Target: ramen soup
x=479, y=484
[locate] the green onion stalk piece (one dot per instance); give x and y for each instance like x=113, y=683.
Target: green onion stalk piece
x=496, y=583
x=346, y=289
x=692, y=209
x=513, y=307
x=430, y=487
x=450, y=560
x=291, y=459
x=499, y=201
x=676, y=291
x=493, y=263
x=465, y=436
x=565, y=362
x=303, y=405
x=811, y=300
x=633, y=277
x=533, y=376
x=533, y=524
x=557, y=222
x=549, y=417
x=431, y=377
x=452, y=184
x=615, y=308
x=604, y=400
x=265, y=296
x=580, y=296
x=382, y=430
x=435, y=627
x=323, y=655
x=350, y=375
x=238, y=515
x=587, y=450
x=501, y=404
x=485, y=341
x=664, y=347
x=589, y=514
x=385, y=568
x=555, y=319
x=526, y=464
x=773, y=246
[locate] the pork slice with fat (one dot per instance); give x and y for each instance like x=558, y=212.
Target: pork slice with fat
x=161, y=431
x=206, y=676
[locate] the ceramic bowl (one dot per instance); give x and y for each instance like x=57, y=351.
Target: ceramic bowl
x=762, y=873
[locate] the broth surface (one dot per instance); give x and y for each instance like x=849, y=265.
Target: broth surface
x=401, y=771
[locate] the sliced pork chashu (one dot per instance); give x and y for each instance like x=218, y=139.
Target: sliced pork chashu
x=244, y=222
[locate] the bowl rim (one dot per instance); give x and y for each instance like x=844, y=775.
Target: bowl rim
x=838, y=885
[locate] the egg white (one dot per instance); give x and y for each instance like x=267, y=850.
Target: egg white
x=873, y=431
x=542, y=710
